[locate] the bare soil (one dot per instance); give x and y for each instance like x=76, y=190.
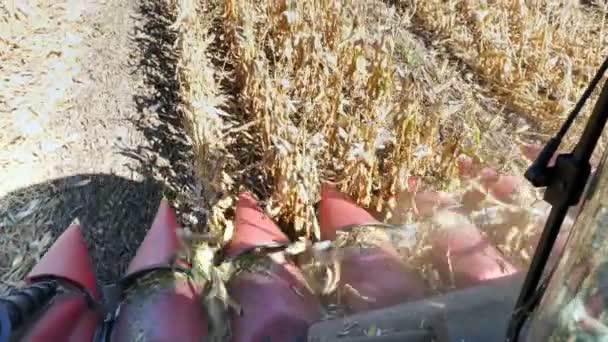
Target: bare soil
x=106, y=146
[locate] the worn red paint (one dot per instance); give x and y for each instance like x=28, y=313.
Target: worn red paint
x=69, y=319
x=386, y=280
x=68, y=258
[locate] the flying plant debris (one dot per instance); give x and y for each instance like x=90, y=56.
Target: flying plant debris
x=320, y=263
x=201, y=252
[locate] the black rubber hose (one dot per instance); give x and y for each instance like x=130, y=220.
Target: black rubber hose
x=22, y=304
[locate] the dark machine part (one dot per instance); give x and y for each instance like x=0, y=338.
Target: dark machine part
x=22, y=304
x=565, y=183
x=414, y=335
x=478, y=313
x=114, y=295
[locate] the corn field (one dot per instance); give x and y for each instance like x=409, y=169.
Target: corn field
x=385, y=99
x=380, y=98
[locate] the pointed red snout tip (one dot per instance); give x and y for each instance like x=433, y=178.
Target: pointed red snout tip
x=337, y=211
x=461, y=253
x=68, y=258
x=161, y=242
x=253, y=228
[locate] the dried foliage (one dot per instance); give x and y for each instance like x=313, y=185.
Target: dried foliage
x=323, y=90
x=331, y=98
x=203, y=100
x=343, y=91
x=537, y=56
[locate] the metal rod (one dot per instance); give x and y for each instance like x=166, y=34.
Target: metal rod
x=535, y=272
x=594, y=128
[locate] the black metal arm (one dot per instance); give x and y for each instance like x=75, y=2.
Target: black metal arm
x=20, y=305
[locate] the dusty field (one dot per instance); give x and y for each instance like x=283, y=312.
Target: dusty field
x=105, y=106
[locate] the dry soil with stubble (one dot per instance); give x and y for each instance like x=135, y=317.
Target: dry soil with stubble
x=90, y=128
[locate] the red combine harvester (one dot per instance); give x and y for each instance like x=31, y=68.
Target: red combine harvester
x=157, y=300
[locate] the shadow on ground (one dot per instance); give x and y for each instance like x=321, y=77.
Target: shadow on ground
x=167, y=155
x=114, y=214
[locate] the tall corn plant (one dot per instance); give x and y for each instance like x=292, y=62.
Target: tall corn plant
x=203, y=103
x=320, y=81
